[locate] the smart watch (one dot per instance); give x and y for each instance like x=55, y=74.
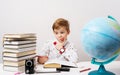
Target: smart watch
x=62, y=50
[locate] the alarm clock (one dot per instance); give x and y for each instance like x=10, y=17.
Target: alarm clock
x=29, y=66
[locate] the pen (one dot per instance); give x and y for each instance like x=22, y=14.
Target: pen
x=85, y=69
x=49, y=72
x=17, y=73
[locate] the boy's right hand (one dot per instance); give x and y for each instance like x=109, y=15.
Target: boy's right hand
x=42, y=59
x=59, y=45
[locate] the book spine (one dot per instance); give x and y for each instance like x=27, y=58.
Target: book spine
x=20, y=54
x=14, y=69
x=19, y=50
x=19, y=46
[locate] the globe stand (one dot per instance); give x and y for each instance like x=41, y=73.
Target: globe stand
x=102, y=70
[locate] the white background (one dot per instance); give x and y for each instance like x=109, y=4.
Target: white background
x=37, y=16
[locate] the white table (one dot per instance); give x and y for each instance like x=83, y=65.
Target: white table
x=113, y=67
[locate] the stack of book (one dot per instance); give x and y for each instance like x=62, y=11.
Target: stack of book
x=18, y=48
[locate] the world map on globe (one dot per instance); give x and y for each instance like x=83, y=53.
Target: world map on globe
x=101, y=38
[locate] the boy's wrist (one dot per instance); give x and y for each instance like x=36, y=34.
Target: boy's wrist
x=42, y=56
x=62, y=50
x=42, y=59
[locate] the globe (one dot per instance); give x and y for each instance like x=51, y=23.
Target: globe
x=101, y=40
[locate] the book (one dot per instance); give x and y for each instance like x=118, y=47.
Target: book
x=19, y=58
x=20, y=54
x=14, y=63
x=19, y=49
x=19, y=46
x=19, y=42
x=58, y=64
x=14, y=69
x=23, y=35
x=18, y=39
x=41, y=69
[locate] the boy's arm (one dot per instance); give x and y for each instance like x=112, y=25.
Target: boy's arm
x=43, y=53
x=42, y=59
x=71, y=53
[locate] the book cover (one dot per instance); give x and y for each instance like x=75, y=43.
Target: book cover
x=14, y=69
x=59, y=63
x=14, y=63
x=19, y=46
x=19, y=42
x=19, y=39
x=24, y=35
x=20, y=54
x=19, y=49
x=18, y=58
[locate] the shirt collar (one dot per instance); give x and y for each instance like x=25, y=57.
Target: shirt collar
x=55, y=42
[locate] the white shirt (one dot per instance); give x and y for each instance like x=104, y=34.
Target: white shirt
x=50, y=50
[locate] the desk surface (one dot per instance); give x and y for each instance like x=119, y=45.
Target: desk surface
x=113, y=67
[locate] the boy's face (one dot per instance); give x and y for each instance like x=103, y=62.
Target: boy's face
x=61, y=34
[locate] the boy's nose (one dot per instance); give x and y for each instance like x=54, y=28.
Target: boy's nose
x=59, y=35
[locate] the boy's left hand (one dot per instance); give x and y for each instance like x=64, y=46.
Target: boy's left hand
x=42, y=59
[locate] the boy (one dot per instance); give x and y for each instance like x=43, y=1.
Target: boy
x=60, y=48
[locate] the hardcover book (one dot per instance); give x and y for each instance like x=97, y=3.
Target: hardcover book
x=59, y=63
x=18, y=39
x=20, y=54
x=19, y=46
x=14, y=63
x=14, y=69
x=24, y=35
x=18, y=58
x=19, y=42
x=19, y=49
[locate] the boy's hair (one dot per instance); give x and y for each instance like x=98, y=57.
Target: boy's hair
x=60, y=22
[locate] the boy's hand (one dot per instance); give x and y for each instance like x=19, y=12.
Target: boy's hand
x=42, y=59
x=59, y=45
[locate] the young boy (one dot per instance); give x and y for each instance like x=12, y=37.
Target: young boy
x=60, y=48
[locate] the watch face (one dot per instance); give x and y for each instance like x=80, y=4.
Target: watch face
x=62, y=50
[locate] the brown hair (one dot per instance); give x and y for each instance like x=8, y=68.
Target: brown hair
x=60, y=22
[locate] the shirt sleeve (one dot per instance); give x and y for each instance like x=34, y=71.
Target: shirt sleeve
x=71, y=53
x=44, y=51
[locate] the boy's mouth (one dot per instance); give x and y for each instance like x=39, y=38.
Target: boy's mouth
x=62, y=39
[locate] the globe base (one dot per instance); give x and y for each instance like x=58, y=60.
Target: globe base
x=101, y=71
x=96, y=72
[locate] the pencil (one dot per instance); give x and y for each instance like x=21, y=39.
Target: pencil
x=85, y=69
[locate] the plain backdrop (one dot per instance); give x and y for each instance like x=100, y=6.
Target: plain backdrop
x=37, y=16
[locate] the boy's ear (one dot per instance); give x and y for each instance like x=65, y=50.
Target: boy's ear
x=69, y=32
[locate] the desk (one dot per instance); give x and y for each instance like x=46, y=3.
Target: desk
x=113, y=67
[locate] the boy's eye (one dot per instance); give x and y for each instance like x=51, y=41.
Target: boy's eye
x=62, y=32
x=56, y=33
